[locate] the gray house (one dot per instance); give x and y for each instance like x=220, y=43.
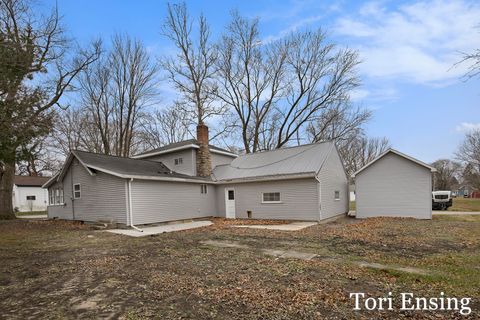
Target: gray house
x=394, y=185
x=177, y=182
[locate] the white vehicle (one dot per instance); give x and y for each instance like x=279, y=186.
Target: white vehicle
x=441, y=200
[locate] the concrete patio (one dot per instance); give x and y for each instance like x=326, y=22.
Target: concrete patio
x=149, y=231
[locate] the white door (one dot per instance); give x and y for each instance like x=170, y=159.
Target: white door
x=230, y=203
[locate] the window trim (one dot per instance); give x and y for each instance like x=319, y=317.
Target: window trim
x=274, y=201
x=79, y=191
x=335, y=195
x=204, y=188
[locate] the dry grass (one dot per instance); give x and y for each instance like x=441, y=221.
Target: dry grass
x=54, y=269
x=465, y=204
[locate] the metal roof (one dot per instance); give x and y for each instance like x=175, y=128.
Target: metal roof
x=403, y=155
x=186, y=144
x=29, y=181
x=306, y=159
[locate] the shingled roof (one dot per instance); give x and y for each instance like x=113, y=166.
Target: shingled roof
x=191, y=143
x=29, y=181
x=302, y=160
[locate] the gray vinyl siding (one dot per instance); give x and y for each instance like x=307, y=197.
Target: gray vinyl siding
x=188, y=157
x=102, y=198
x=62, y=211
x=219, y=159
x=299, y=199
x=395, y=187
x=159, y=201
x=332, y=178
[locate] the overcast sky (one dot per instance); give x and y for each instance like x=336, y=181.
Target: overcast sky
x=408, y=49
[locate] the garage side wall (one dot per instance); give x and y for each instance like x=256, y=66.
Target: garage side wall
x=333, y=178
x=299, y=199
x=160, y=201
x=394, y=187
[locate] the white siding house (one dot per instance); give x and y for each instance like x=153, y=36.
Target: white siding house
x=394, y=185
x=28, y=194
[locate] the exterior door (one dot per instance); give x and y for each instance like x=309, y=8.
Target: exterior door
x=230, y=203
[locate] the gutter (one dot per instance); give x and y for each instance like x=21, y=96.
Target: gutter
x=130, y=207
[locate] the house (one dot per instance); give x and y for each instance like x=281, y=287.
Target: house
x=192, y=179
x=28, y=194
x=394, y=185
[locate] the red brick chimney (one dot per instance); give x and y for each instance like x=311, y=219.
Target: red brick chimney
x=204, y=160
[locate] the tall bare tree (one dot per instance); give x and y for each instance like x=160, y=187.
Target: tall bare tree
x=447, y=174
x=37, y=158
x=115, y=92
x=279, y=90
x=192, y=70
x=469, y=154
x=36, y=69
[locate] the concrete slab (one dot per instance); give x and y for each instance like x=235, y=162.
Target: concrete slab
x=148, y=231
x=453, y=213
x=294, y=226
x=380, y=266
x=35, y=216
x=289, y=254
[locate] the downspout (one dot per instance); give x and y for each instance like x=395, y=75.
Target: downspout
x=319, y=196
x=130, y=209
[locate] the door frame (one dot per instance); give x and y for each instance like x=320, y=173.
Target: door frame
x=226, y=203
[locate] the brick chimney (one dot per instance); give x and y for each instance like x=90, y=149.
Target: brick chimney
x=204, y=160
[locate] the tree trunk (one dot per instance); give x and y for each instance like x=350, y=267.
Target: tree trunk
x=6, y=191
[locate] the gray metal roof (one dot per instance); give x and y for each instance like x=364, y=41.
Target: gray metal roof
x=287, y=161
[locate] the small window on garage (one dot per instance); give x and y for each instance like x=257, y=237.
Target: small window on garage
x=337, y=195
x=31, y=197
x=203, y=189
x=271, y=197
x=77, y=191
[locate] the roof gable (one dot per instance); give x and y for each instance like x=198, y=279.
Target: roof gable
x=398, y=153
x=182, y=145
x=301, y=160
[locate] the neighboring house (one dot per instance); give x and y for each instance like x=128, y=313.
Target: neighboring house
x=394, y=185
x=177, y=182
x=464, y=191
x=28, y=194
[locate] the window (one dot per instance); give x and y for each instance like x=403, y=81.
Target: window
x=178, y=161
x=31, y=197
x=203, y=189
x=77, y=191
x=271, y=197
x=231, y=195
x=337, y=195
x=52, y=196
x=61, y=195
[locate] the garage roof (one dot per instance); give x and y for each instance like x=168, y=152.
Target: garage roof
x=397, y=153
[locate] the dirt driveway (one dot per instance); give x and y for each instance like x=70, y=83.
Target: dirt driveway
x=58, y=270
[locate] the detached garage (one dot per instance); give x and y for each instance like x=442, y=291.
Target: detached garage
x=394, y=185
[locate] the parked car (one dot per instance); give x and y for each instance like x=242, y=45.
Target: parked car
x=441, y=200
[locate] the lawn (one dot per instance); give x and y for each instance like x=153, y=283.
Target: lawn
x=465, y=204
x=58, y=270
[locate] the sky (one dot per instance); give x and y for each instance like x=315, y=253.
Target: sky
x=409, y=51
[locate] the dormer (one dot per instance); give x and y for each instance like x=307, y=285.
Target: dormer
x=181, y=157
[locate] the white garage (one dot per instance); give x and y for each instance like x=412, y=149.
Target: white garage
x=394, y=185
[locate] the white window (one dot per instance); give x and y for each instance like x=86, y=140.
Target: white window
x=271, y=197
x=57, y=196
x=52, y=196
x=337, y=195
x=178, y=161
x=203, y=189
x=61, y=195
x=77, y=191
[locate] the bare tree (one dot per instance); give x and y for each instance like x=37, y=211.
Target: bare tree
x=115, y=92
x=469, y=154
x=165, y=126
x=192, y=70
x=279, y=90
x=250, y=78
x=31, y=48
x=447, y=173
